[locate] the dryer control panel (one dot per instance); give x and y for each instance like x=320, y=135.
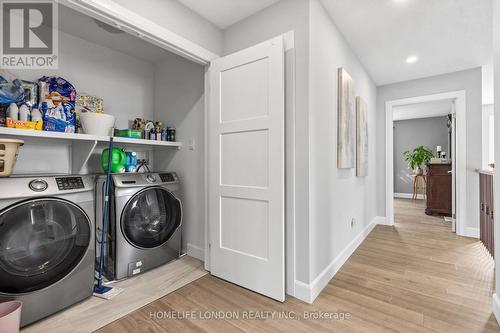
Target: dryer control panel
x=134, y=179
x=69, y=183
x=168, y=177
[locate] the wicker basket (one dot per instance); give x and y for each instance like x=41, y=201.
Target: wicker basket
x=9, y=149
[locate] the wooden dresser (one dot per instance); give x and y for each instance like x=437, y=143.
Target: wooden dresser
x=486, y=216
x=438, y=193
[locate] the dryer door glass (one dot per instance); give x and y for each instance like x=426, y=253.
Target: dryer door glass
x=41, y=241
x=150, y=217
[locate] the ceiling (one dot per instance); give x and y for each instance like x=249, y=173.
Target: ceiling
x=445, y=35
x=224, y=13
x=83, y=26
x=422, y=110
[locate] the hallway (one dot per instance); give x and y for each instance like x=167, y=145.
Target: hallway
x=414, y=277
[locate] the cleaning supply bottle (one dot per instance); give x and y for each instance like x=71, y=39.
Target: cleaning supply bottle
x=118, y=160
x=13, y=111
x=158, y=134
x=24, y=112
x=36, y=115
x=131, y=161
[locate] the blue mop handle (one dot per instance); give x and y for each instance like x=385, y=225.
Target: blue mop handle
x=105, y=214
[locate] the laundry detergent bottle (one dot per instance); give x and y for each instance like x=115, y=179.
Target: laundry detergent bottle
x=118, y=160
x=131, y=163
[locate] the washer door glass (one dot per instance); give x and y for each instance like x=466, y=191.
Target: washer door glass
x=41, y=241
x=150, y=217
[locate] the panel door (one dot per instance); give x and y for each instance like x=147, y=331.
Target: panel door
x=246, y=168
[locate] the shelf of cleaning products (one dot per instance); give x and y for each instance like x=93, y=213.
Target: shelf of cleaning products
x=44, y=135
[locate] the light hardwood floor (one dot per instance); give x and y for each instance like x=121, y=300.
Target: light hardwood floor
x=94, y=313
x=414, y=277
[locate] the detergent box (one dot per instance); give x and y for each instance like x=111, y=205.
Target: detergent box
x=57, y=98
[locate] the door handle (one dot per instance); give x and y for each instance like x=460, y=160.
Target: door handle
x=450, y=171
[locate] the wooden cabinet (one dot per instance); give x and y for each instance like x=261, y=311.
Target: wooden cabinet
x=438, y=193
x=486, y=215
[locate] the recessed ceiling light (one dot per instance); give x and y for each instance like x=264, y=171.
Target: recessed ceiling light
x=411, y=59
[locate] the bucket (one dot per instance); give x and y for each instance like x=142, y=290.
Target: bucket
x=10, y=316
x=9, y=149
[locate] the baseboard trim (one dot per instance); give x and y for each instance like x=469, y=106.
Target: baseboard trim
x=303, y=291
x=471, y=232
x=309, y=292
x=195, y=252
x=420, y=196
x=382, y=220
x=495, y=304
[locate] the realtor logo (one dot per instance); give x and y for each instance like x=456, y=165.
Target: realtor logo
x=29, y=38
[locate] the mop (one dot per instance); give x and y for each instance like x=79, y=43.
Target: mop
x=100, y=290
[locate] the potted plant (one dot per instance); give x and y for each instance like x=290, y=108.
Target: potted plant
x=417, y=158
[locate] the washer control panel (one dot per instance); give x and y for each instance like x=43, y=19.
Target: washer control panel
x=168, y=177
x=38, y=185
x=135, y=179
x=69, y=183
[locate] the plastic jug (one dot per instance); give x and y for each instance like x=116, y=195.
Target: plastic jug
x=118, y=160
x=131, y=163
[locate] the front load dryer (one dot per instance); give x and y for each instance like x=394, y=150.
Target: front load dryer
x=144, y=222
x=46, y=242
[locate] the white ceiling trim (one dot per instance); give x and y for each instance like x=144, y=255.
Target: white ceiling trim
x=224, y=13
x=422, y=110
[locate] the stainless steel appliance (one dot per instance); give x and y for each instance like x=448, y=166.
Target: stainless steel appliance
x=145, y=222
x=46, y=242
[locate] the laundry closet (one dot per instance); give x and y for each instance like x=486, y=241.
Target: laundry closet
x=229, y=149
x=135, y=79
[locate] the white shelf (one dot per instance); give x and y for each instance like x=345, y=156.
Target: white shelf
x=130, y=141
x=22, y=133
x=83, y=145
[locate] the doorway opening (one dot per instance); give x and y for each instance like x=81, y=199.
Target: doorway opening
x=431, y=129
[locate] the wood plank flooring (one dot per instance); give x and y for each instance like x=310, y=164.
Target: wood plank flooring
x=414, y=277
x=94, y=313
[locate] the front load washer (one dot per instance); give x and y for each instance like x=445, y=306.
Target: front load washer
x=144, y=222
x=46, y=242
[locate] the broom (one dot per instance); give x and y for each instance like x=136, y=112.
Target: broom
x=100, y=290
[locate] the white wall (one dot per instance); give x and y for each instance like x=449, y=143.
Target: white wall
x=179, y=19
x=179, y=102
x=488, y=90
x=468, y=80
x=496, y=66
x=124, y=82
x=488, y=99
x=487, y=131
x=275, y=20
x=336, y=195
